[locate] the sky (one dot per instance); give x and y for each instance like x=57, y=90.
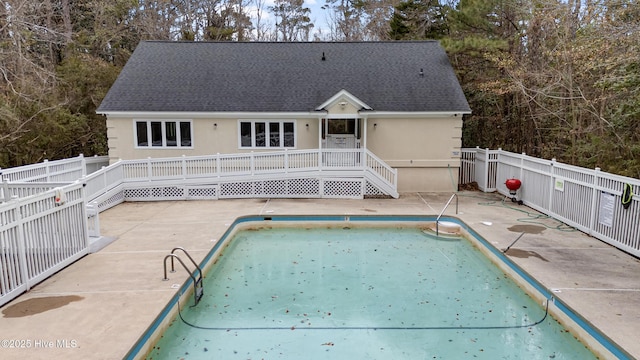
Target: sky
x=317, y=13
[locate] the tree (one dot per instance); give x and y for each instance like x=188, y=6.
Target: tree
x=347, y=19
x=419, y=19
x=552, y=79
x=37, y=119
x=481, y=35
x=227, y=21
x=105, y=29
x=294, y=22
x=261, y=31
x=360, y=20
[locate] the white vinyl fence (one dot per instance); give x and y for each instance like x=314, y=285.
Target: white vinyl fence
x=331, y=173
x=39, y=236
x=43, y=221
x=589, y=200
x=55, y=171
x=49, y=212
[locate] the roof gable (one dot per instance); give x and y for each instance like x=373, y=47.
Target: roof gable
x=284, y=77
x=342, y=98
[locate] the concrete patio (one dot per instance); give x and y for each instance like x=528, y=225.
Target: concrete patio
x=99, y=306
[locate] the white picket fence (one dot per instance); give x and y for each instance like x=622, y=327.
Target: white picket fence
x=329, y=173
x=587, y=199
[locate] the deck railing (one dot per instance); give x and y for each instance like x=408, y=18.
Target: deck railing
x=298, y=173
x=587, y=199
x=16, y=190
x=255, y=163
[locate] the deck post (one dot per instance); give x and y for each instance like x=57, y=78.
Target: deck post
x=149, y=169
x=218, y=166
x=286, y=161
x=184, y=166
x=594, y=201
x=252, y=163
x=83, y=161
x=46, y=169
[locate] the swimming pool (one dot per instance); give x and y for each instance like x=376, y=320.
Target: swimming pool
x=362, y=287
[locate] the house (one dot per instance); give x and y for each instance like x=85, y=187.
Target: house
x=400, y=100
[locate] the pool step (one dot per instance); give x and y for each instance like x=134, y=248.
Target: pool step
x=446, y=229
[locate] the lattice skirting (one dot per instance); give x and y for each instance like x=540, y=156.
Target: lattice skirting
x=343, y=188
x=182, y=192
x=203, y=192
x=155, y=193
x=284, y=188
x=374, y=191
x=110, y=201
x=350, y=188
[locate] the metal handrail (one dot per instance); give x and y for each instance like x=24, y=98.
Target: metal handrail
x=165, y=278
x=197, y=283
x=189, y=256
x=445, y=208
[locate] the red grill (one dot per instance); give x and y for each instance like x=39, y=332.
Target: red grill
x=513, y=185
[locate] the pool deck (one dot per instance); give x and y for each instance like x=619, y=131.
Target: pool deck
x=99, y=306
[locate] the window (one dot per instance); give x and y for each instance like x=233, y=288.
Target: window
x=267, y=134
x=163, y=134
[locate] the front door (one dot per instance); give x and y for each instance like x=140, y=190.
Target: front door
x=341, y=134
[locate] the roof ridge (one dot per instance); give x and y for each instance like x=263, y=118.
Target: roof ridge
x=293, y=42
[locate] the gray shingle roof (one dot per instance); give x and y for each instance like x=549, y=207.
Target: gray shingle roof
x=284, y=77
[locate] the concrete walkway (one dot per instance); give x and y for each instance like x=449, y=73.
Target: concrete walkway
x=98, y=307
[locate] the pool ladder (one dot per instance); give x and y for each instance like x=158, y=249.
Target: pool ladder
x=197, y=281
x=445, y=208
